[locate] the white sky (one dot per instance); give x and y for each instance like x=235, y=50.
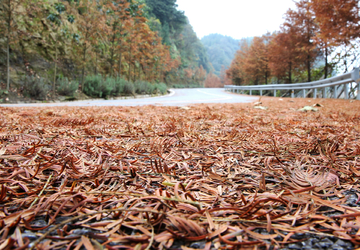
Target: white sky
x=235, y=18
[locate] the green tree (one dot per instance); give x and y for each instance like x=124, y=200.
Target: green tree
x=58, y=32
x=166, y=11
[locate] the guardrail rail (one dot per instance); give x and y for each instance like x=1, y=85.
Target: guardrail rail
x=345, y=86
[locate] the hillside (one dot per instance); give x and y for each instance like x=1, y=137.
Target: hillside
x=220, y=50
x=178, y=34
x=101, y=48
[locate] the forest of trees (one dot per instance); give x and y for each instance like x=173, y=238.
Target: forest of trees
x=108, y=48
x=102, y=47
x=316, y=39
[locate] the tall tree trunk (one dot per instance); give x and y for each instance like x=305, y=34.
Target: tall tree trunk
x=119, y=72
x=130, y=57
x=134, y=69
x=96, y=56
x=55, y=66
x=8, y=46
x=290, y=72
x=120, y=55
x=326, y=62
x=83, y=69
x=309, y=67
x=112, y=53
x=266, y=75
x=8, y=64
x=111, y=62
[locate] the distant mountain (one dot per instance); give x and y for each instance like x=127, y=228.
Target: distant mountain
x=220, y=49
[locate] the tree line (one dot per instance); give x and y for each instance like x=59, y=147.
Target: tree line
x=316, y=38
x=145, y=40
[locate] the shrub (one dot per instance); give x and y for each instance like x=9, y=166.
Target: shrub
x=194, y=85
x=142, y=87
x=36, y=87
x=92, y=86
x=160, y=88
x=66, y=87
x=119, y=86
x=129, y=88
x=107, y=87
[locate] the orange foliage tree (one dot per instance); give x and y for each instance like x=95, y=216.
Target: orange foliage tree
x=302, y=22
x=117, y=24
x=315, y=28
x=131, y=45
x=284, y=56
x=236, y=70
x=91, y=27
x=251, y=63
x=223, y=76
x=339, y=24
x=212, y=81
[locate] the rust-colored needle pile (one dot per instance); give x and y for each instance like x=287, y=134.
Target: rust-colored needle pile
x=208, y=176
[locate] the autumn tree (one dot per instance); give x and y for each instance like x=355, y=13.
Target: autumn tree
x=302, y=22
x=223, y=76
x=117, y=15
x=258, y=61
x=339, y=25
x=212, y=81
x=236, y=70
x=251, y=62
x=164, y=62
x=284, y=56
x=91, y=24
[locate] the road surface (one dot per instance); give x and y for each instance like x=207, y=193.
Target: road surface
x=177, y=97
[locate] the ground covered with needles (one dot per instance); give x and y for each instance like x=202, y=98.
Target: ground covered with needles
x=224, y=176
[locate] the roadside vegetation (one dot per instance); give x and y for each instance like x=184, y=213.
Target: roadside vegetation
x=97, y=48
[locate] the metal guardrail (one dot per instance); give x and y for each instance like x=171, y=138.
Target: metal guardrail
x=346, y=86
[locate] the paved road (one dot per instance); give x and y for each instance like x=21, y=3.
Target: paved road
x=178, y=97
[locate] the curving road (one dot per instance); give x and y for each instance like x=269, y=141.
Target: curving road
x=177, y=97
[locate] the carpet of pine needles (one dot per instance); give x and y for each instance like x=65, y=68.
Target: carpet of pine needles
x=229, y=176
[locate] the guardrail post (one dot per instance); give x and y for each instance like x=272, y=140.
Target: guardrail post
x=346, y=91
x=250, y=91
x=323, y=92
x=292, y=94
x=304, y=93
x=274, y=92
x=260, y=92
x=358, y=90
x=355, y=74
x=315, y=93
x=335, y=92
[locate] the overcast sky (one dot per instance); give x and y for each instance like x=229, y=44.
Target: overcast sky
x=235, y=18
